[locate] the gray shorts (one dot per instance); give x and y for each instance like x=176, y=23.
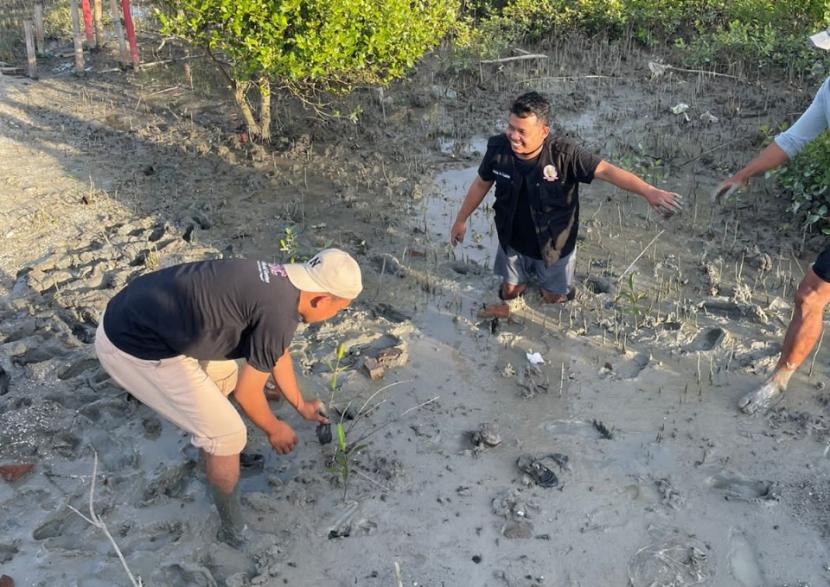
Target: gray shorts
x=517, y=269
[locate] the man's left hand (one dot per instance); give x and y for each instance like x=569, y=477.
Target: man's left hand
x=313, y=411
x=664, y=203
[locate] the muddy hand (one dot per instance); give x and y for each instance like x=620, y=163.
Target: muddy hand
x=314, y=411
x=723, y=192
x=283, y=440
x=665, y=203
x=457, y=232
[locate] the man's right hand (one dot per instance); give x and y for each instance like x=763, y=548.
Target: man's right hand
x=727, y=187
x=282, y=439
x=457, y=232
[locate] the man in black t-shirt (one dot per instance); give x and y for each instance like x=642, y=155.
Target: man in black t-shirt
x=172, y=338
x=537, y=177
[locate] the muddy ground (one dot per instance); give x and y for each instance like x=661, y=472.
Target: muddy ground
x=659, y=479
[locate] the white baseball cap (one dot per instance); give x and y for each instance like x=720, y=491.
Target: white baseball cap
x=331, y=271
x=822, y=39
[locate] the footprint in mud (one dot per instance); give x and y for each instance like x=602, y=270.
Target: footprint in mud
x=62, y=529
x=21, y=330
x=629, y=368
x=170, y=481
x=7, y=552
x=77, y=367
x=74, y=400
x=154, y=537
x=680, y=560
x=38, y=353
x=734, y=486
x=183, y=575
x=113, y=408
x=743, y=563
x=66, y=444
x=709, y=339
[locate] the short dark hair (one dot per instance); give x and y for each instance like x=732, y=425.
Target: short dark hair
x=532, y=103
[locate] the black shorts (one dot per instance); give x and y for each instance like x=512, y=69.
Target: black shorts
x=822, y=265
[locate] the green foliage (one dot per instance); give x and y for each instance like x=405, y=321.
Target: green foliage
x=313, y=44
x=57, y=20
x=288, y=244
x=342, y=466
x=708, y=31
x=632, y=299
x=335, y=366
x=807, y=180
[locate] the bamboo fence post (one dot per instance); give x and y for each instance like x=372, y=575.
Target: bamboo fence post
x=98, y=15
x=39, y=36
x=76, y=35
x=30, y=49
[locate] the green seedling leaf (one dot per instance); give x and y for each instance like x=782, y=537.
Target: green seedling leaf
x=341, y=351
x=341, y=437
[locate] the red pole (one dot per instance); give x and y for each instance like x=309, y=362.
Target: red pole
x=88, y=30
x=128, y=24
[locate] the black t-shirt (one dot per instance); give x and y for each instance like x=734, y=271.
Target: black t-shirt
x=210, y=310
x=523, y=237
x=552, y=191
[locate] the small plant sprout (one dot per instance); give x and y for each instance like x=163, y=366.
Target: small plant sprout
x=633, y=298
x=335, y=367
x=341, y=467
x=288, y=243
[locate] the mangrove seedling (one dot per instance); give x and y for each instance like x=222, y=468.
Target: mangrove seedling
x=632, y=298
x=341, y=466
x=288, y=243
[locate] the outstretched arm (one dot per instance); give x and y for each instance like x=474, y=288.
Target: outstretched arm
x=478, y=189
x=789, y=143
x=769, y=158
x=665, y=203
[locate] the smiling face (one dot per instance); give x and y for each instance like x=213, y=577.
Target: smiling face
x=526, y=135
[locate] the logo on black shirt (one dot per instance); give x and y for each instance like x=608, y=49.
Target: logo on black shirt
x=266, y=270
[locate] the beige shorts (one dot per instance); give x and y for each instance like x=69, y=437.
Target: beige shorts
x=192, y=394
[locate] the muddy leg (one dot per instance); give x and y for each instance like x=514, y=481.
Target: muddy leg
x=223, y=475
x=802, y=334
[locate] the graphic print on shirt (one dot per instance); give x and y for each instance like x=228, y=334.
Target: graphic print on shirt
x=266, y=270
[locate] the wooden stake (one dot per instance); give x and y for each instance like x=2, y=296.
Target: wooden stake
x=30, y=49
x=98, y=14
x=76, y=34
x=40, y=44
x=115, y=14
x=88, y=30
x=128, y=25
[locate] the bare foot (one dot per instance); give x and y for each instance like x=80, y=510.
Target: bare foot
x=502, y=310
x=763, y=398
x=557, y=298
